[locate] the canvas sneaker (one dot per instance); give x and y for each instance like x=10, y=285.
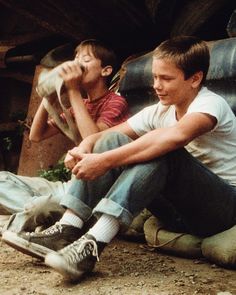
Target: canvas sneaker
x=77, y=259
x=39, y=244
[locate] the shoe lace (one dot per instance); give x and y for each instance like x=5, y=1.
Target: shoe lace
x=57, y=227
x=80, y=249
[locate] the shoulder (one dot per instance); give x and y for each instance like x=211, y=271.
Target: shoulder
x=112, y=96
x=158, y=110
x=114, y=100
x=209, y=97
x=208, y=101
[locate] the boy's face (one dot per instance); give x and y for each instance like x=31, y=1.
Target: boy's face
x=92, y=65
x=170, y=84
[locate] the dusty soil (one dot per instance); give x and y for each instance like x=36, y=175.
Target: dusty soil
x=124, y=268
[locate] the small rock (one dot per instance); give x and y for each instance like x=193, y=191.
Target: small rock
x=23, y=288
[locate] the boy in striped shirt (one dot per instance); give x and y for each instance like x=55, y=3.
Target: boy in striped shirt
x=99, y=110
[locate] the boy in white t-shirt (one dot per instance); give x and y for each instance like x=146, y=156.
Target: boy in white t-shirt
x=177, y=158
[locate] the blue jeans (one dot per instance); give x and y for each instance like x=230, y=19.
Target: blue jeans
x=32, y=201
x=176, y=187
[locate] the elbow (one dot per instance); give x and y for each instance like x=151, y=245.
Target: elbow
x=182, y=142
x=179, y=141
x=34, y=138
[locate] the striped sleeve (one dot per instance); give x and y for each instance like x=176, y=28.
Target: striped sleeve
x=114, y=111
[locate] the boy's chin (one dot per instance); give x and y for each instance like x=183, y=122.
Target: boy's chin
x=165, y=103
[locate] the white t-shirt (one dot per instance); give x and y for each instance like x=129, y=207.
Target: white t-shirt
x=215, y=149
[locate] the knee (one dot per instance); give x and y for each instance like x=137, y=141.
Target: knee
x=111, y=141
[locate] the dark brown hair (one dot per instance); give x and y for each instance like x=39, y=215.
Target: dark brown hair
x=102, y=52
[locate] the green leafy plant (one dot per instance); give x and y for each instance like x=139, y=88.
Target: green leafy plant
x=55, y=173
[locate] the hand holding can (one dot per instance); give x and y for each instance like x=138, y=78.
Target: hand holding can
x=54, y=79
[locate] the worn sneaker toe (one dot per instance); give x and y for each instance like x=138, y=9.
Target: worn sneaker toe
x=60, y=264
x=40, y=244
x=77, y=259
x=17, y=242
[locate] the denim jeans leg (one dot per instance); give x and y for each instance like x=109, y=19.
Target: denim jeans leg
x=204, y=202
x=83, y=196
x=33, y=201
x=135, y=188
x=14, y=193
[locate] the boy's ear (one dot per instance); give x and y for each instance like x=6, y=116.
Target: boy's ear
x=197, y=79
x=106, y=71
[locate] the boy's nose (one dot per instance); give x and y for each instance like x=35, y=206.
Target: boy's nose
x=82, y=67
x=157, y=85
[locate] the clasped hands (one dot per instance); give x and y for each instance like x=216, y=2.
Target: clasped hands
x=86, y=166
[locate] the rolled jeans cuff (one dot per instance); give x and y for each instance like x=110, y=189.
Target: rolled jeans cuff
x=112, y=208
x=80, y=208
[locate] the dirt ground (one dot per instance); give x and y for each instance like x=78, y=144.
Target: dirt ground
x=124, y=268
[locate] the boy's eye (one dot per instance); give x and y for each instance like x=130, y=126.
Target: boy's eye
x=167, y=78
x=86, y=59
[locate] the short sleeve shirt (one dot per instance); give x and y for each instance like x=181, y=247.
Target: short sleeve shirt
x=111, y=109
x=215, y=149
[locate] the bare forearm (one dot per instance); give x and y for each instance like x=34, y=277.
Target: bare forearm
x=84, y=122
x=153, y=144
x=40, y=128
x=159, y=142
x=92, y=165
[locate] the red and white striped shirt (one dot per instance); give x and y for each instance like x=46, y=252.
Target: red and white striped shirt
x=111, y=109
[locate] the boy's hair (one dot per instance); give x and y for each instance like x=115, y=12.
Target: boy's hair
x=101, y=52
x=189, y=54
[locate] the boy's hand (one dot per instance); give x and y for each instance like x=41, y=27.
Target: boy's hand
x=70, y=161
x=71, y=73
x=74, y=155
x=90, y=166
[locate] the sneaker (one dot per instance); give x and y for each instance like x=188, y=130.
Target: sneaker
x=39, y=244
x=77, y=259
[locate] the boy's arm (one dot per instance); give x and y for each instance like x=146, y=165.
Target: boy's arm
x=84, y=122
x=71, y=72
x=160, y=141
x=40, y=128
x=86, y=146
x=147, y=147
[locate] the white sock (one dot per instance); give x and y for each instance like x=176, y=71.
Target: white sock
x=105, y=229
x=70, y=218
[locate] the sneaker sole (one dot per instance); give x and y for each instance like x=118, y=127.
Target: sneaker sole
x=54, y=260
x=24, y=246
